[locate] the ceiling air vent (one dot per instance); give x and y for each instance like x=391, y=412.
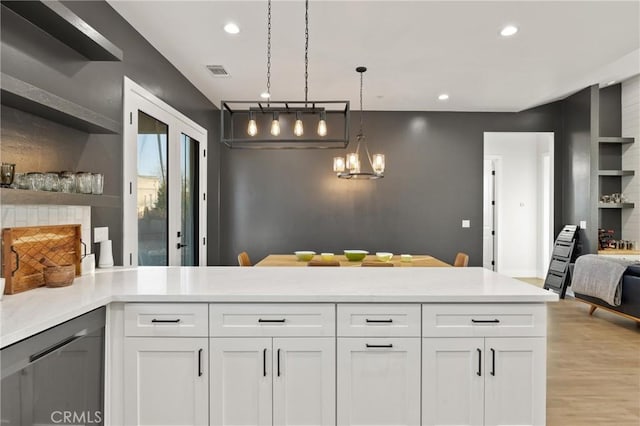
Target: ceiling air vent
x=218, y=70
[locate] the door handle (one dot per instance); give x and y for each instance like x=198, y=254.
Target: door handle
x=179, y=246
x=493, y=362
x=264, y=362
x=199, y=362
x=278, y=362
x=57, y=346
x=479, y=373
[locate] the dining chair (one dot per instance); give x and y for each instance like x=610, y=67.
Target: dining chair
x=462, y=259
x=243, y=259
x=377, y=264
x=323, y=263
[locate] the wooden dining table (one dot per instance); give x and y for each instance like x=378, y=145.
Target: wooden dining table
x=292, y=260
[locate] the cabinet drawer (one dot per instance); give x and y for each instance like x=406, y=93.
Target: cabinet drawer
x=365, y=320
x=263, y=320
x=166, y=319
x=469, y=320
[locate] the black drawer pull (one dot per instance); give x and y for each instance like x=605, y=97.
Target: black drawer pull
x=379, y=346
x=387, y=321
x=200, y=362
x=173, y=321
x=479, y=373
x=278, y=362
x=271, y=320
x=493, y=321
x=493, y=362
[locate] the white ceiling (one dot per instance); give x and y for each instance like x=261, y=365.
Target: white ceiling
x=414, y=50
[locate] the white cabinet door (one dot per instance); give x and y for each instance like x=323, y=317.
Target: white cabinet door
x=241, y=377
x=453, y=381
x=166, y=381
x=304, y=381
x=515, y=383
x=378, y=381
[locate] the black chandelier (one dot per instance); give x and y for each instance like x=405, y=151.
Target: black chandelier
x=269, y=124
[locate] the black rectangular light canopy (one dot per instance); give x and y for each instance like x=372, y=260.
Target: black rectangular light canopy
x=235, y=116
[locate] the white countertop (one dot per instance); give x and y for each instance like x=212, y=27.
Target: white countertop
x=28, y=313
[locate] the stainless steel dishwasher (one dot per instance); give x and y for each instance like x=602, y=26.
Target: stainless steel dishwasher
x=55, y=377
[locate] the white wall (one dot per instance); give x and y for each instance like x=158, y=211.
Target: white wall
x=631, y=157
x=519, y=200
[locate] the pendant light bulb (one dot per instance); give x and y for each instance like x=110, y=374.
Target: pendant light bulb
x=322, y=124
x=275, y=124
x=378, y=164
x=338, y=165
x=252, y=128
x=298, y=129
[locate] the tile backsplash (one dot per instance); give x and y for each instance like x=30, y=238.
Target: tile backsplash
x=37, y=215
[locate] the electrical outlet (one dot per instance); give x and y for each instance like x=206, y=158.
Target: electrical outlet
x=100, y=234
x=466, y=223
x=583, y=224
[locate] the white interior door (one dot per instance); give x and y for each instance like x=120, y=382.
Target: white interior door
x=304, y=371
x=164, y=183
x=488, y=216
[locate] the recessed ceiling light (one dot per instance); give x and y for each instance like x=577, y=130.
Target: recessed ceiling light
x=265, y=95
x=508, y=31
x=443, y=97
x=232, y=28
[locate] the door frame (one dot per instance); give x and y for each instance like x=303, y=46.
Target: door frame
x=497, y=192
x=137, y=98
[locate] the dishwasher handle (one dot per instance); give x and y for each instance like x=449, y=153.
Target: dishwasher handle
x=57, y=346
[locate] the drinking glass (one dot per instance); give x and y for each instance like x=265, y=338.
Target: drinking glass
x=97, y=183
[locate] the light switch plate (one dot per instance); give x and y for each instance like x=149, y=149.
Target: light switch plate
x=583, y=224
x=466, y=223
x=100, y=234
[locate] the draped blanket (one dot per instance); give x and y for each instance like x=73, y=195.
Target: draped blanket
x=599, y=276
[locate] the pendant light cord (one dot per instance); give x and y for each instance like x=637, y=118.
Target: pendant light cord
x=306, y=52
x=361, y=132
x=269, y=52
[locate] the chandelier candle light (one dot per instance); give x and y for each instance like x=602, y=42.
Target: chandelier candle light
x=350, y=168
x=245, y=124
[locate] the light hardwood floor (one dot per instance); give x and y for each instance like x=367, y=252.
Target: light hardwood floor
x=593, y=366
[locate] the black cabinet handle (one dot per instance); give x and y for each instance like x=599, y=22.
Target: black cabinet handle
x=272, y=320
x=278, y=362
x=493, y=321
x=264, y=362
x=174, y=321
x=57, y=346
x=479, y=362
x=388, y=321
x=379, y=346
x=493, y=362
x=199, y=362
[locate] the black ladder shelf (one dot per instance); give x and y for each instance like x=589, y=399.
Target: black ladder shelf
x=558, y=275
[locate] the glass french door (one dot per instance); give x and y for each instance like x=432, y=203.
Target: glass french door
x=165, y=181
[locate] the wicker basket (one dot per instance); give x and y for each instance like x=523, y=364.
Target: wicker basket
x=59, y=276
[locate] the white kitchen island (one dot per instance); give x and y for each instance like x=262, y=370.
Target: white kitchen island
x=290, y=346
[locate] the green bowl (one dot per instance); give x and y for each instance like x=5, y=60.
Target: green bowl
x=305, y=255
x=355, y=255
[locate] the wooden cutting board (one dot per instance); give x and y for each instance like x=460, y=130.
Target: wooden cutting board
x=23, y=247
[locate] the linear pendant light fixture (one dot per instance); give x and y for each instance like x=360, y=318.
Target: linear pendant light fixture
x=268, y=124
x=350, y=167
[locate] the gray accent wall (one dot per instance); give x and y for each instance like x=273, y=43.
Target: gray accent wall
x=281, y=201
x=580, y=164
x=36, y=144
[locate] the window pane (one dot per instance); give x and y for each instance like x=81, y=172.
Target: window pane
x=152, y=191
x=189, y=199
